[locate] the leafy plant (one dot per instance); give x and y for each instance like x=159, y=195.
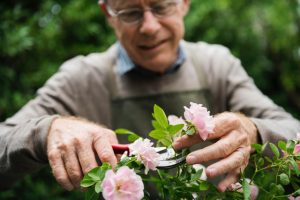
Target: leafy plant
x=266, y=177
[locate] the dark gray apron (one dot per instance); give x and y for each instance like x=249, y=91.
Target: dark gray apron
x=133, y=110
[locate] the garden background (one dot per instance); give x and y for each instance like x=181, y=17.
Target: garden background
x=37, y=36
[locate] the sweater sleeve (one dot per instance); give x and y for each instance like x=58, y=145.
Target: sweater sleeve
x=23, y=147
x=23, y=136
x=233, y=90
x=79, y=89
x=272, y=121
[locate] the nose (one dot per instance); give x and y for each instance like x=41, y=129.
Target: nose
x=150, y=25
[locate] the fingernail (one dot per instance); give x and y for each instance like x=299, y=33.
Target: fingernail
x=222, y=188
x=191, y=159
x=210, y=172
x=69, y=187
x=176, y=145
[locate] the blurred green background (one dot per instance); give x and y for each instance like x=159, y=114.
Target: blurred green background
x=37, y=36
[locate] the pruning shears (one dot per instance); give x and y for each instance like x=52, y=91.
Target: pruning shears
x=168, y=158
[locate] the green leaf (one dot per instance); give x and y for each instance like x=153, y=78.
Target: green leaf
x=295, y=166
x=279, y=189
x=260, y=162
x=284, y=179
x=204, y=186
x=297, y=192
x=131, y=135
x=98, y=187
x=290, y=146
x=173, y=129
x=275, y=150
x=94, y=174
x=105, y=166
x=264, y=147
x=97, y=174
x=257, y=147
x=123, y=131
x=246, y=189
x=196, y=176
x=282, y=145
x=268, y=159
x=87, y=182
x=156, y=125
x=160, y=116
x=158, y=134
x=91, y=177
x=191, y=131
x=91, y=195
x=132, y=138
x=165, y=142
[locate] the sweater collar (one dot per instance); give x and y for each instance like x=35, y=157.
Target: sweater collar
x=125, y=64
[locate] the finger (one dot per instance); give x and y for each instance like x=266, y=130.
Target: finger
x=112, y=137
x=59, y=171
x=238, y=159
x=87, y=158
x=222, y=148
x=104, y=149
x=72, y=167
x=228, y=180
x=186, y=141
x=224, y=123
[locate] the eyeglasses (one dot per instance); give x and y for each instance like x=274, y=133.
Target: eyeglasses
x=160, y=9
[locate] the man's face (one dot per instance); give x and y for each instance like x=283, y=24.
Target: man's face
x=153, y=42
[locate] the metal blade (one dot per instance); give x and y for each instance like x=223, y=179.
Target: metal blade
x=169, y=159
x=168, y=164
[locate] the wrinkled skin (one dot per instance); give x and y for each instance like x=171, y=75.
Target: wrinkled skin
x=234, y=133
x=153, y=43
x=73, y=148
x=73, y=145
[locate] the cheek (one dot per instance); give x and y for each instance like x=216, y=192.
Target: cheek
x=180, y=29
x=125, y=35
x=175, y=27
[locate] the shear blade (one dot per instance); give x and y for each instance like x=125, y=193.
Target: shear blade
x=168, y=164
x=169, y=158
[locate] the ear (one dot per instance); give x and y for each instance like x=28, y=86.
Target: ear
x=185, y=6
x=102, y=6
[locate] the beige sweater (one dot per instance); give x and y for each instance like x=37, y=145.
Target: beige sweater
x=90, y=87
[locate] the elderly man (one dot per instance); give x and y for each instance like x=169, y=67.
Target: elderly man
x=70, y=122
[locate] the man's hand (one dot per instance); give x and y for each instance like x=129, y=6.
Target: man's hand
x=73, y=146
x=235, y=134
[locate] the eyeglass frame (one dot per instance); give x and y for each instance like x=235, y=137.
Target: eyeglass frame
x=108, y=11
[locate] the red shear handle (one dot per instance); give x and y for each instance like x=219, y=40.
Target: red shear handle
x=120, y=148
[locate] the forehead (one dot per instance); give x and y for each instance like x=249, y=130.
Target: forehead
x=131, y=3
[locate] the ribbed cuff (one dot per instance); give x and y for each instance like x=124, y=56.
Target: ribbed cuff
x=41, y=131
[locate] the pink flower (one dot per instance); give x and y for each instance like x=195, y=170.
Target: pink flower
x=293, y=198
x=297, y=149
x=174, y=120
x=123, y=185
x=200, y=117
x=254, y=190
x=145, y=153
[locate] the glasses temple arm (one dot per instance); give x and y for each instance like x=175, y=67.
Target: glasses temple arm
x=104, y=7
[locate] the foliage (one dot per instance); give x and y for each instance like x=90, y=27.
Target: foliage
x=275, y=178
x=263, y=34
x=37, y=36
